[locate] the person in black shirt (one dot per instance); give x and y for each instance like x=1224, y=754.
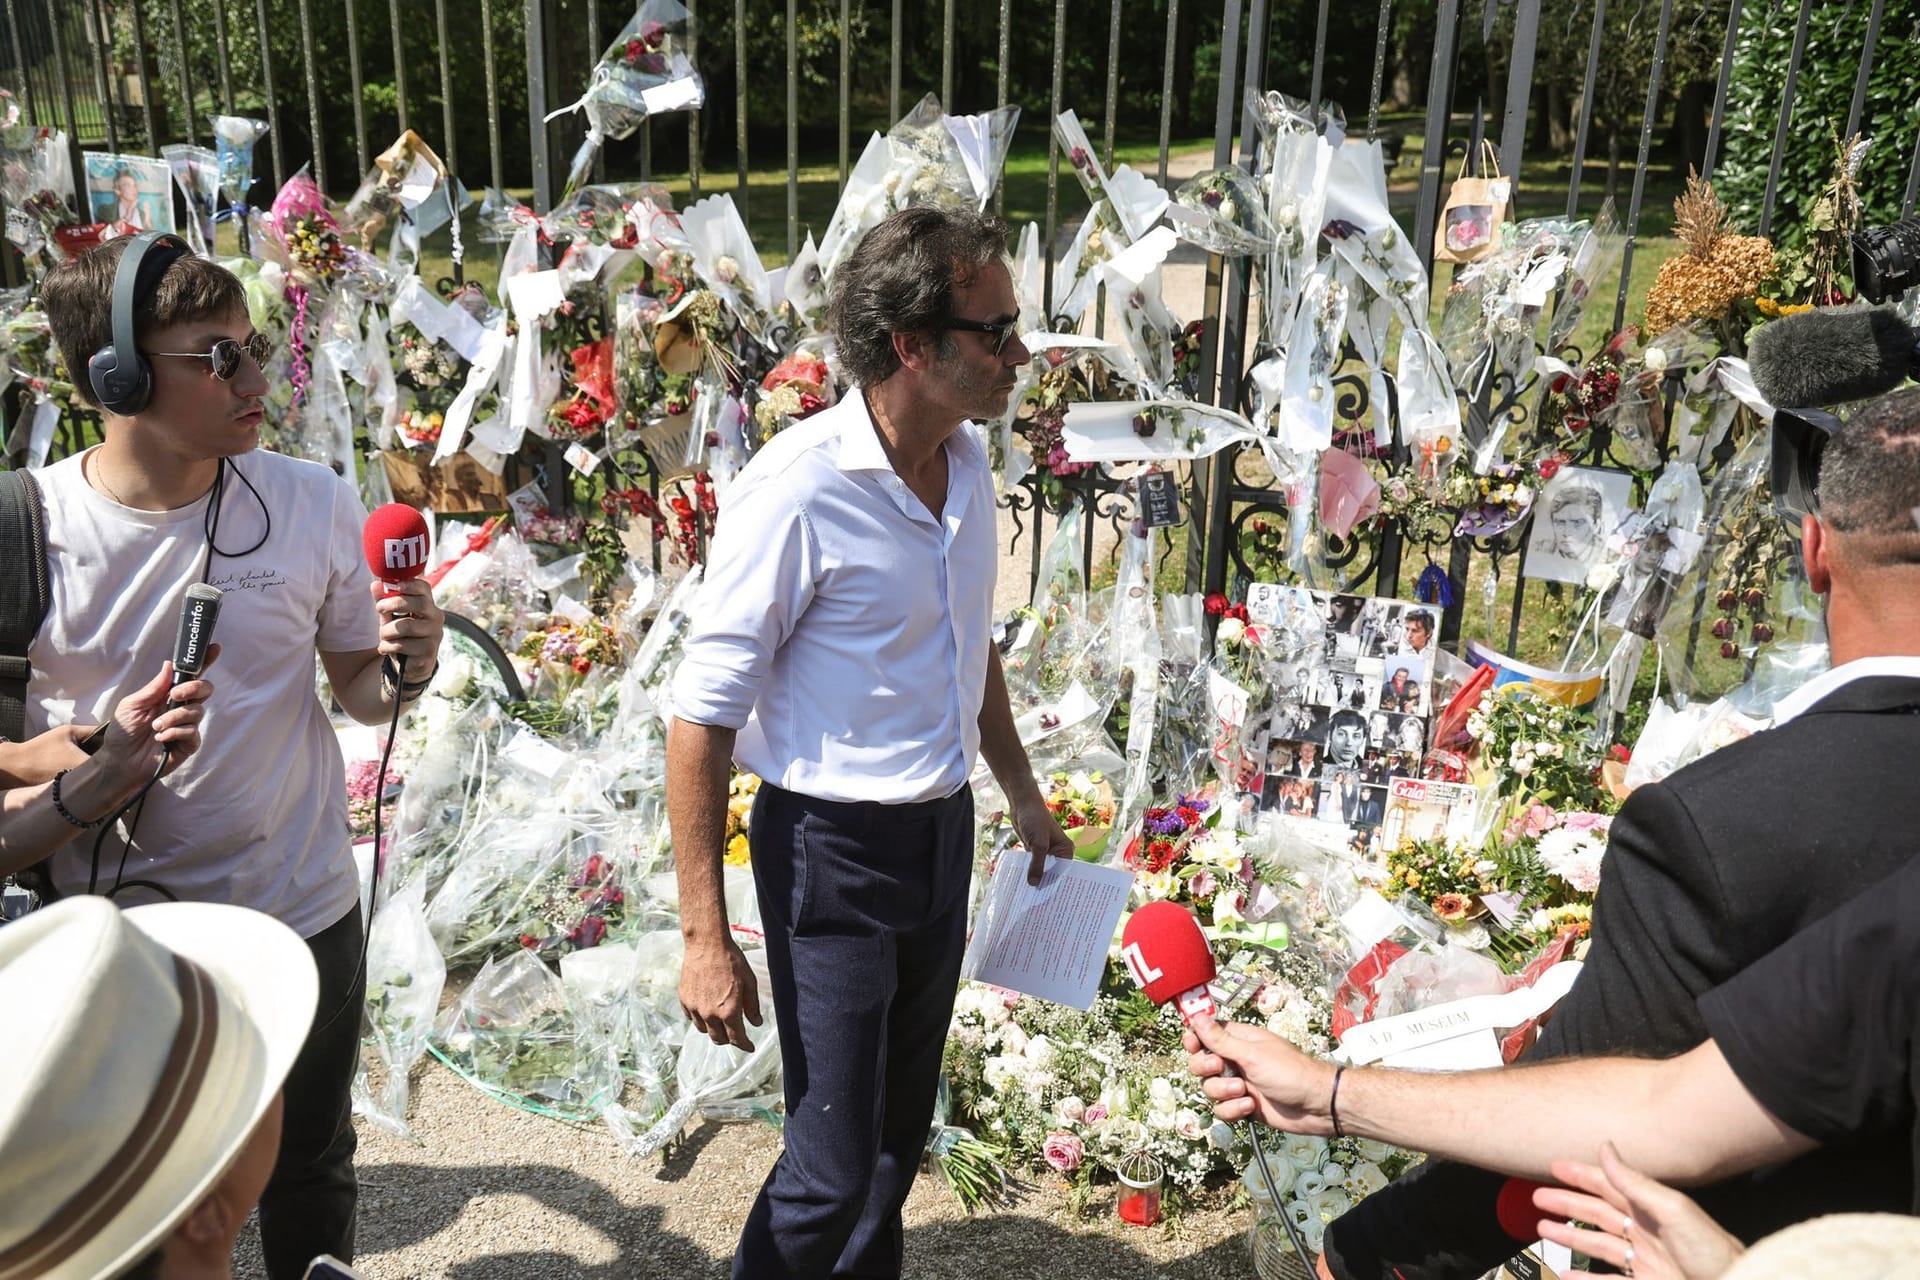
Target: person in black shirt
x=1811, y=1046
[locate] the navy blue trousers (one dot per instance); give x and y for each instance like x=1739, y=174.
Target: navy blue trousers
x=865, y=910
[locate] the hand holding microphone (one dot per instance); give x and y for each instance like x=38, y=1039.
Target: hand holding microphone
x=395, y=543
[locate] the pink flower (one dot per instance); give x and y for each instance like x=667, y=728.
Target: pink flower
x=1596, y=822
x=1096, y=1113
x=1064, y=1151
x=1203, y=884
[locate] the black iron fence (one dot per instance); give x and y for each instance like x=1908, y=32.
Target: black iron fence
x=1654, y=85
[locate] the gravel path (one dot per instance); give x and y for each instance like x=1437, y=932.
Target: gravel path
x=491, y=1193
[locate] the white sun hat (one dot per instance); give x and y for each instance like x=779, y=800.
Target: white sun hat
x=142, y=1048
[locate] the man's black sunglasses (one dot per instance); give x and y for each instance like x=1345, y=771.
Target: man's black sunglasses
x=1002, y=332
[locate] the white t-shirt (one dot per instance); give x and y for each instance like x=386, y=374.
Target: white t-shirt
x=258, y=817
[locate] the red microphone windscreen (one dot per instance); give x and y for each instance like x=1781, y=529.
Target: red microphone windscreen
x=1165, y=951
x=1514, y=1208
x=395, y=542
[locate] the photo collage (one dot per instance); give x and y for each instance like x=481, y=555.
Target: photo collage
x=1352, y=714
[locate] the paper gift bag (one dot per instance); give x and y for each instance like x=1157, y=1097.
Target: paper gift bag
x=1475, y=209
x=457, y=486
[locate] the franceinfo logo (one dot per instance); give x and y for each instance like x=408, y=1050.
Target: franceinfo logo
x=198, y=612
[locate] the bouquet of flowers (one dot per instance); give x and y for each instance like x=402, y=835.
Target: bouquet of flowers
x=363, y=779
x=1538, y=749
x=1082, y=803
x=796, y=388
x=645, y=71
x=1222, y=211
x=741, y=789
x=512, y=1035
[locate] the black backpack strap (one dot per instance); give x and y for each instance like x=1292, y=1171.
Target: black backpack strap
x=24, y=596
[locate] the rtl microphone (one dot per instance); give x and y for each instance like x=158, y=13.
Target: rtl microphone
x=1168, y=956
x=199, y=610
x=1832, y=355
x=395, y=543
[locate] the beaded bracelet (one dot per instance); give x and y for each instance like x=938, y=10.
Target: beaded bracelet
x=60, y=807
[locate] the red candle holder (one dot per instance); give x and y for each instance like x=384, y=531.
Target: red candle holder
x=1140, y=1178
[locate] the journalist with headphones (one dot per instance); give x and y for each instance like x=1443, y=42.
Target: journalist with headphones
x=177, y=494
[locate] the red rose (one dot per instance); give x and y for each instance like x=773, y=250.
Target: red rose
x=1216, y=603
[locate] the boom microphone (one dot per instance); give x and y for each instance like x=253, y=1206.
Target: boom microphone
x=395, y=543
x=199, y=610
x=1833, y=355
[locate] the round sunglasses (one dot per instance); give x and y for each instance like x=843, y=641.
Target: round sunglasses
x=226, y=353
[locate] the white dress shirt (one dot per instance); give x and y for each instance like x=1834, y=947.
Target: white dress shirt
x=1907, y=665
x=842, y=629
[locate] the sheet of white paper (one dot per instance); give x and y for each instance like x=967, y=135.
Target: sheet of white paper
x=1474, y=1051
x=973, y=137
x=418, y=184
x=1050, y=941
x=1390, y=1037
x=675, y=95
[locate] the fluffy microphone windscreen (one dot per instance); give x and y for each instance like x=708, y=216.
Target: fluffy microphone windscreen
x=395, y=542
x=1825, y=357
x=1165, y=951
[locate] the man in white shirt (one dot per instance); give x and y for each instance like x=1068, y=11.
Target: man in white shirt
x=843, y=652
x=178, y=494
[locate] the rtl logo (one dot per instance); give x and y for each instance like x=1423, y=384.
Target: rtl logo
x=406, y=553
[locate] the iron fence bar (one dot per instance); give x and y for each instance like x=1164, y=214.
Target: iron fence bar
x=313, y=95
x=356, y=76
x=740, y=103
x=186, y=73
x=1786, y=119
x=1513, y=127
x=846, y=40
x=100, y=73
x=1217, y=340
x=1866, y=68
x=400, y=57
x=793, y=132
x=646, y=150
x=1053, y=154
x=893, y=83
x=1640, y=168
x=1446, y=35
x=1719, y=118
x=226, y=55
x=20, y=61
x=1113, y=85
x=946, y=57
x=496, y=171
x=1319, y=55
x=146, y=83
x=1913, y=181
x=536, y=45
x=1585, y=128
x=594, y=48
x=1379, y=69
x=1166, y=87
x=1000, y=90
x=451, y=155
x=278, y=139
x=693, y=116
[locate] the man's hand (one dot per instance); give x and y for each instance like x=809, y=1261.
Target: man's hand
x=156, y=720
x=1272, y=1079
x=716, y=987
x=1039, y=832
x=410, y=624
x=34, y=762
x=1644, y=1227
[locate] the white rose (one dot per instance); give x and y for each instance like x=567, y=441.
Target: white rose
x=993, y=1012
x=1070, y=1110
x=1231, y=631
x=1311, y=1182
x=1187, y=1123
x=1013, y=1040
x=1539, y=922
x=1656, y=359
x=456, y=677
x=1329, y=1204
x=1371, y=1150
x=1161, y=1095
x=1268, y=1000
x=1304, y=1151
x=1041, y=1052
x=1283, y=1177
x=1162, y=1120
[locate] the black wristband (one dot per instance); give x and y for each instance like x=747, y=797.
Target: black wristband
x=60, y=807
x=1333, y=1103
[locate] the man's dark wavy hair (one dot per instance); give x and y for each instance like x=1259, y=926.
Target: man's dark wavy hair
x=900, y=279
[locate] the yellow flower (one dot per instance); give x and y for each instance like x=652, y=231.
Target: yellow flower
x=737, y=855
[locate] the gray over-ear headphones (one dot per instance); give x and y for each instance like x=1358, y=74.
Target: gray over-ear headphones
x=122, y=380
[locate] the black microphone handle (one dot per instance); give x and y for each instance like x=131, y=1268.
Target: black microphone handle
x=199, y=610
